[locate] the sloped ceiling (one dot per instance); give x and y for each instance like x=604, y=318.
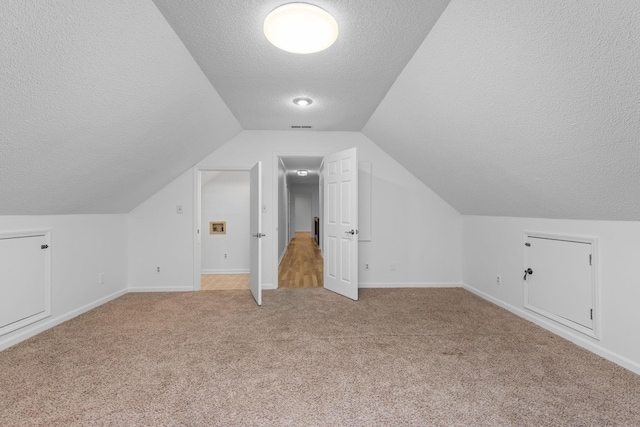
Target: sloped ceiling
x=508, y=108
x=101, y=105
x=258, y=81
x=523, y=108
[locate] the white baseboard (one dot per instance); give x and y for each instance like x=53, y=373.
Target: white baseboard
x=575, y=338
x=268, y=287
x=42, y=326
x=161, y=289
x=410, y=285
x=240, y=271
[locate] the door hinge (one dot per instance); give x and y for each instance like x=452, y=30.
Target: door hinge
x=592, y=314
x=590, y=259
x=44, y=246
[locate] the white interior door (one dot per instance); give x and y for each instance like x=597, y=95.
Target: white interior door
x=255, y=205
x=560, y=284
x=341, y=223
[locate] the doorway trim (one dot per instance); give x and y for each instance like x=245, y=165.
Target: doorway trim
x=274, y=202
x=197, y=217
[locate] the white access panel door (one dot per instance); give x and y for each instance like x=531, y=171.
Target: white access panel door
x=561, y=283
x=255, y=228
x=340, y=248
x=25, y=283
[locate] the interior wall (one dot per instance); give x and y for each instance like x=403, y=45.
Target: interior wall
x=82, y=247
x=302, y=203
x=414, y=227
x=304, y=219
x=159, y=236
x=494, y=245
x=225, y=198
x=283, y=208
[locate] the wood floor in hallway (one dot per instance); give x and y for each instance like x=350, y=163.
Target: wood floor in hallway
x=302, y=265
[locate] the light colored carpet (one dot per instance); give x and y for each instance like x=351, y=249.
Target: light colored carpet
x=308, y=357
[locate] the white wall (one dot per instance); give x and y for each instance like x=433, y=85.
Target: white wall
x=82, y=247
x=307, y=196
x=159, y=236
x=425, y=236
x=494, y=245
x=302, y=206
x=225, y=198
x=412, y=226
x=283, y=206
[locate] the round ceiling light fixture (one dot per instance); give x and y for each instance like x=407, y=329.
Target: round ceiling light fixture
x=302, y=102
x=300, y=28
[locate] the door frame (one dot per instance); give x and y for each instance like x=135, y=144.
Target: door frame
x=197, y=220
x=274, y=202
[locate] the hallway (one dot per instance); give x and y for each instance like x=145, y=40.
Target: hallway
x=302, y=265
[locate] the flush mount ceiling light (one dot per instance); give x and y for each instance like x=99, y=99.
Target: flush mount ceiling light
x=300, y=28
x=302, y=172
x=303, y=102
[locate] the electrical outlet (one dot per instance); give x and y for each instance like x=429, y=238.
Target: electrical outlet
x=393, y=266
x=158, y=270
x=498, y=280
x=366, y=267
x=101, y=279
x=225, y=256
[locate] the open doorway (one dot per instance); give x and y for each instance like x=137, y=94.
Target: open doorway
x=225, y=212
x=301, y=263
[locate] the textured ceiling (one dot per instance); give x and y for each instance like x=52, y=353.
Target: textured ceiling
x=512, y=108
x=258, y=81
x=101, y=105
x=521, y=108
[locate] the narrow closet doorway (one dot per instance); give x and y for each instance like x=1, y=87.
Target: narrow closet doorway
x=225, y=215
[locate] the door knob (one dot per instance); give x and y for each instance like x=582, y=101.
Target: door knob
x=527, y=271
x=352, y=232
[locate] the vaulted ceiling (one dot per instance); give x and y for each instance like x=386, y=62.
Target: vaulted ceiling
x=523, y=108
x=101, y=106
x=258, y=81
x=503, y=108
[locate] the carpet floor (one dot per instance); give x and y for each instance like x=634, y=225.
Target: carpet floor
x=308, y=357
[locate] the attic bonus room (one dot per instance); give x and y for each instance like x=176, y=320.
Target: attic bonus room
x=468, y=192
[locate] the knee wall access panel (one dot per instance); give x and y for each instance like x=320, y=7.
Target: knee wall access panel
x=25, y=278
